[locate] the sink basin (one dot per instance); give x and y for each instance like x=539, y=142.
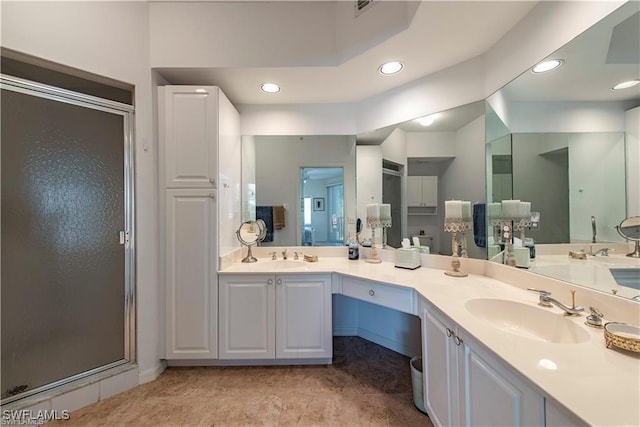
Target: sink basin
x=540, y=324
x=282, y=264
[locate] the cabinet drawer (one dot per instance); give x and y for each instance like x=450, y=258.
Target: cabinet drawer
x=401, y=299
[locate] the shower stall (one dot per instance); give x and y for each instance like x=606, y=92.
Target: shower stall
x=67, y=236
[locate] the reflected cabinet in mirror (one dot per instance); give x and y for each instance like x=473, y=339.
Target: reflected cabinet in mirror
x=567, y=145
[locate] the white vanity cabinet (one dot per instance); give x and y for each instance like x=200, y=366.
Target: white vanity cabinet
x=422, y=191
x=464, y=385
x=282, y=316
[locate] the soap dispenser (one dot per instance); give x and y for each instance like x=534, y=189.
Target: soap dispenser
x=354, y=249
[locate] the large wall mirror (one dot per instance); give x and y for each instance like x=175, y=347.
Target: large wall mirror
x=567, y=142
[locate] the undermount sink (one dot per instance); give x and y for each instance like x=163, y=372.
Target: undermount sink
x=524, y=320
x=283, y=264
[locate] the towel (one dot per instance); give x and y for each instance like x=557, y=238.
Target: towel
x=479, y=225
x=265, y=213
x=278, y=217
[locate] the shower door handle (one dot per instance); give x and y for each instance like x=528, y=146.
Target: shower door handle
x=124, y=237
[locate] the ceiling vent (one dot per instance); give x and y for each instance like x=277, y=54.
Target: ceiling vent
x=362, y=6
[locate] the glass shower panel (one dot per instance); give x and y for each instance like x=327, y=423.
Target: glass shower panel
x=63, y=267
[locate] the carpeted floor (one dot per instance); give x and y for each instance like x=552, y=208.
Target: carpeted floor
x=367, y=385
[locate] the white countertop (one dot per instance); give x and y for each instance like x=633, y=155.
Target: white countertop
x=593, y=272
x=599, y=385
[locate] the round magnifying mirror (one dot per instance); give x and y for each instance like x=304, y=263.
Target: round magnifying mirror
x=630, y=229
x=249, y=233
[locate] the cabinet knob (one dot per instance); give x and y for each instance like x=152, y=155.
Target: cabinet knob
x=279, y=282
x=270, y=282
x=371, y=292
x=212, y=196
x=457, y=340
x=449, y=332
x=212, y=181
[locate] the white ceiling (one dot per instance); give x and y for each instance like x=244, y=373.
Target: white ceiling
x=428, y=36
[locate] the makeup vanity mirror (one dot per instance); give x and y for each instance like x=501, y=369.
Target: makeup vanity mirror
x=568, y=143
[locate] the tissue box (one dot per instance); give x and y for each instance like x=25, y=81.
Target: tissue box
x=522, y=257
x=407, y=258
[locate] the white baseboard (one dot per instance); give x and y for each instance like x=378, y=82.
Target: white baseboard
x=347, y=331
x=151, y=374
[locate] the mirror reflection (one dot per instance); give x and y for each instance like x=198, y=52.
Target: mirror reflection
x=568, y=143
x=322, y=213
x=415, y=166
x=303, y=187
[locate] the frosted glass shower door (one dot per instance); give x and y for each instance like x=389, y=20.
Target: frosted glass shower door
x=65, y=196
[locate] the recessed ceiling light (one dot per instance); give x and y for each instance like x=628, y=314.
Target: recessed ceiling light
x=545, y=66
x=390, y=68
x=625, y=85
x=270, y=87
x=427, y=120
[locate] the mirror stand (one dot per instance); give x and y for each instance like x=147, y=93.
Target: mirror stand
x=249, y=233
x=629, y=229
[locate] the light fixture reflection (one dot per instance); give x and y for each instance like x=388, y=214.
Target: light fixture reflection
x=625, y=85
x=545, y=66
x=390, y=68
x=547, y=364
x=427, y=120
x=270, y=88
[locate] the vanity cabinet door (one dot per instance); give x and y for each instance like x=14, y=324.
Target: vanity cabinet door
x=493, y=395
x=440, y=368
x=189, y=135
x=190, y=269
x=465, y=385
x=247, y=316
x=303, y=316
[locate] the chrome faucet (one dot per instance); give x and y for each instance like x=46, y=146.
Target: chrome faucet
x=284, y=254
x=547, y=301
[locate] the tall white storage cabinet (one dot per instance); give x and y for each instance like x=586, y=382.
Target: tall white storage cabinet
x=196, y=125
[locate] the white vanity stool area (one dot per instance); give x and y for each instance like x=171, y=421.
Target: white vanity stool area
x=492, y=355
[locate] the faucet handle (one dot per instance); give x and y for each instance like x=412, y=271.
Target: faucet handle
x=544, y=297
x=595, y=318
x=596, y=312
x=273, y=255
x=296, y=255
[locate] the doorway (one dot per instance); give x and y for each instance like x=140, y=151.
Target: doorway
x=322, y=206
x=392, y=194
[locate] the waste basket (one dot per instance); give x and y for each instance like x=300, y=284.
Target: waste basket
x=416, y=382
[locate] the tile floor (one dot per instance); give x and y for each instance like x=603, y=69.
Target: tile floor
x=367, y=385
